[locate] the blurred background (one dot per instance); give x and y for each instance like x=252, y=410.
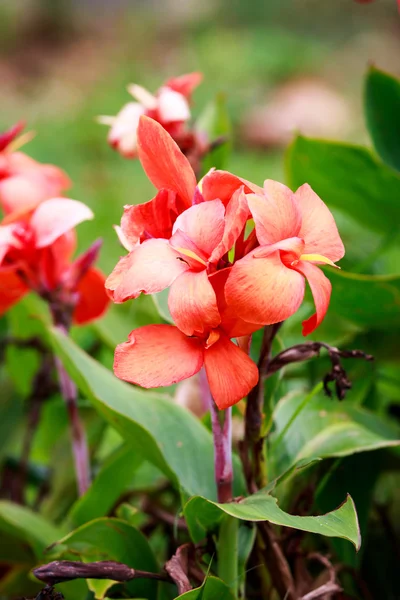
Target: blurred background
x=283, y=65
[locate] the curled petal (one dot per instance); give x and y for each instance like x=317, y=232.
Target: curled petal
x=12, y=289
x=236, y=215
x=321, y=289
x=222, y=185
x=192, y=303
x=163, y=162
x=172, y=106
x=92, y=298
x=149, y=268
x=264, y=290
x=152, y=219
x=56, y=216
x=275, y=214
x=157, y=355
x=185, y=84
x=318, y=228
x=203, y=224
x=230, y=372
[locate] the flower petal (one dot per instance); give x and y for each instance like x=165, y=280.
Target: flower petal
x=56, y=216
x=203, y=224
x=151, y=219
x=93, y=300
x=163, y=162
x=157, y=355
x=318, y=228
x=185, y=84
x=264, y=290
x=149, y=268
x=123, y=133
x=236, y=215
x=172, y=106
x=192, y=303
x=230, y=372
x=275, y=213
x=321, y=289
x=222, y=185
x=12, y=289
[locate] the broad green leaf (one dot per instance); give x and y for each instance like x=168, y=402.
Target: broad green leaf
x=163, y=433
x=212, y=589
x=111, y=481
x=202, y=515
x=23, y=524
x=214, y=121
x=109, y=539
x=382, y=108
x=324, y=428
x=349, y=178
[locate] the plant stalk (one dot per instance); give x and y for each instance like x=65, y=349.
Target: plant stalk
x=228, y=551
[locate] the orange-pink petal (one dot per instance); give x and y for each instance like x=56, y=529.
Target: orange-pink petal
x=92, y=298
x=264, y=290
x=149, y=268
x=321, y=289
x=12, y=289
x=54, y=217
x=193, y=304
x=152, y=219
x=236, y=215
x=158, y=355
x=222, y=185
x=318, y=228
x=185, y=84
x=163, y=162
x=203, y=224
x=230, y=372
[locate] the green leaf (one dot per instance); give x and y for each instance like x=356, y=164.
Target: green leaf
x=349, y=178
x=102, y=494
x=109, y=539
x=382, y=107
x=162, y=432
x=211, y=589
x=369, y=301
x=215, y=122
x=23, y=524
x=202, y=515
x=324, y=428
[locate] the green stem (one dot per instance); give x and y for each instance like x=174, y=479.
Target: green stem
x=228, y=552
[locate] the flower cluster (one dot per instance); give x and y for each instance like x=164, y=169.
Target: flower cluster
x=38, y=240
x=169, y=106
x=227, y=279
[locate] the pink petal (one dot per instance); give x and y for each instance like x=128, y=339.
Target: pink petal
x=192, y=303
x=56, y=216
x=321, y=289
x=123, y=133
x=230, y=372
x=157, y=355
x=185, y=84
x=93, y=300
x=149, y=268
x=236, y=215
x=203, y=224
x=152, y=219
x=318, y=228
x=275, y=214
x=172, y=106
x=264, y=290
x=222, y=185
x=12, y=289
x=163, y=162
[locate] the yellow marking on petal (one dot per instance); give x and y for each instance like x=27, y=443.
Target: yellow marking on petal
x=191, y=254
x=212, y=338
x=21, y=141
x=318, y=258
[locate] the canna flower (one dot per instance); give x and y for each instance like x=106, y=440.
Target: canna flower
x=24, y=182
x=296, y=232
x=35, y=255
x=169, y=106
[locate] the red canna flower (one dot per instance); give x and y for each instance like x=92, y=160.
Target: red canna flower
x=35, y=255
x=169, y=107
x=24, y=182
x=296, y=232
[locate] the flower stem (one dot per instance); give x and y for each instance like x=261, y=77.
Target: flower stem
x=222, y=435
x=79, y=444
x=228, y=548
